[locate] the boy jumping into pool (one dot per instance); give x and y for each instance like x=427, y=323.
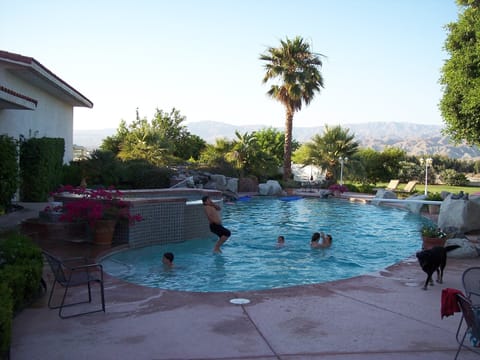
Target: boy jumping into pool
x=213, y=216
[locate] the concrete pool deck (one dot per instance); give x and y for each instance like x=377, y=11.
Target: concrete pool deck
x=385, y=315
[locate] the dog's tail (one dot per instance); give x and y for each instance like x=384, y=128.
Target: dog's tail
x=451, y=247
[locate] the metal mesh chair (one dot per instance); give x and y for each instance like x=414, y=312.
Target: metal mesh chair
x=74, y=272
x=471, y=284
x=471, y=314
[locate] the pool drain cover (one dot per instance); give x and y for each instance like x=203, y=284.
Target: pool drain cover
x=239, y=301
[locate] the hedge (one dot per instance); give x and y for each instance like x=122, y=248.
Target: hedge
x=8, y=171
x=41, y=162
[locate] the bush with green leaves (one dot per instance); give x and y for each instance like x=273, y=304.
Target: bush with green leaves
x=8, y=171
x=20, y=259
x=452, y=178
x=6, y=315
x=138, y=174
x=102, y=168
x=21, y=265
x=72, y=173
x=434, y=196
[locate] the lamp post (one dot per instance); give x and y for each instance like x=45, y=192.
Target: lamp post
x=427, y=162
x=342, y=161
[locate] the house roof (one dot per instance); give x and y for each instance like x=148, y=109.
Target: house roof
x=35, y=73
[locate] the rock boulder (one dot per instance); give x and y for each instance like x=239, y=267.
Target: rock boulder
x=271, y=187
x=459, y=215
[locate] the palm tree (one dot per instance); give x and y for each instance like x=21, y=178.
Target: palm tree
x=327, y=149
x=297, y=69
x=243, y=150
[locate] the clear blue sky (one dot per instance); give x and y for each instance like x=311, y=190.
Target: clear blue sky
x=383, y=57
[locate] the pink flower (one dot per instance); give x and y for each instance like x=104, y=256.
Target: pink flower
x=338, y=187
x=95, y=204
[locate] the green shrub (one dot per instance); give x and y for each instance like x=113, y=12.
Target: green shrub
x=434, y=196
x=290, y=184
x=139, y=174
x=8, y=171
x=6, y=315
x=452, y=178
x=72, y=173
x=102, y=168
x=16, y=282
x=21, y=265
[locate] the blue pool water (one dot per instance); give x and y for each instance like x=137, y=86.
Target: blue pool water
x=366, y=238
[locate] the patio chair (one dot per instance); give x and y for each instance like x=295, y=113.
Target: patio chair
x=409, y=188
x=471, y=284
x=471, y=314
x=74, y=272
x=392, y=185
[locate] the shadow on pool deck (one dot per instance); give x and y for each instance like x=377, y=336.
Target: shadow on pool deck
x=385, y=315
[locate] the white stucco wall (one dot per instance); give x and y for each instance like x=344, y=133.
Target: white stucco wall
x=52, y=117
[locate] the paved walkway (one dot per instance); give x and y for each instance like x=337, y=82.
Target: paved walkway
x=384, y=315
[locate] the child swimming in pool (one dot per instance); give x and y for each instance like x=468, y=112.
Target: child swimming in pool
x=280, y=241
x=326, y=240
x=167, y=260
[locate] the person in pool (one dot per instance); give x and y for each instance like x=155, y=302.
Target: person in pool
x=167, y=259
x=213, y=215
x=326, y=240
x=280, y=241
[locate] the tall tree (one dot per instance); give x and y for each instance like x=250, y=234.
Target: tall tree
x=297, y=72
x=460, y=79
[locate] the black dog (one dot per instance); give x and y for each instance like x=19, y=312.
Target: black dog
x=433, y=260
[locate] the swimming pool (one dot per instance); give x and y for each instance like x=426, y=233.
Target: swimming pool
x=366, y=238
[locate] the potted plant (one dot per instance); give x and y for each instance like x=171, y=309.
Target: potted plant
x=434, y=209
x=101, y=209
x=432, y=236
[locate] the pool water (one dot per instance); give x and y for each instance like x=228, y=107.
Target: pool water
x=366, y=238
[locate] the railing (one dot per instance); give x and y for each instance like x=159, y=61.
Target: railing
x=425, y=202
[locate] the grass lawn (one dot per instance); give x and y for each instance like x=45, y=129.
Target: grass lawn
x=420, y=188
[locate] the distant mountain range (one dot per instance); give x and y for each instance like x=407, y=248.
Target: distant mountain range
x=415, y=139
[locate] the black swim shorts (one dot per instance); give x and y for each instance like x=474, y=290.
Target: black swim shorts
x=219, y=230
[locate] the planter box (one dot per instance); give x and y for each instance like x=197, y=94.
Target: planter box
x=428, y=243
x=433, y=209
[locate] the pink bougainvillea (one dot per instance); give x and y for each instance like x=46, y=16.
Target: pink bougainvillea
x=338, y=187
x=95, y=204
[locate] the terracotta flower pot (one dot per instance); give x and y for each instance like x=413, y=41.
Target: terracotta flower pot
x=103, y=232
x=428, y=242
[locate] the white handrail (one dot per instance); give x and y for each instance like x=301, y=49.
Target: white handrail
x=426, y=202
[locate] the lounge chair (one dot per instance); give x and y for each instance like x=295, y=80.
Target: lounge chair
x=392, y=186
x=71, y=273
x=409, y=188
